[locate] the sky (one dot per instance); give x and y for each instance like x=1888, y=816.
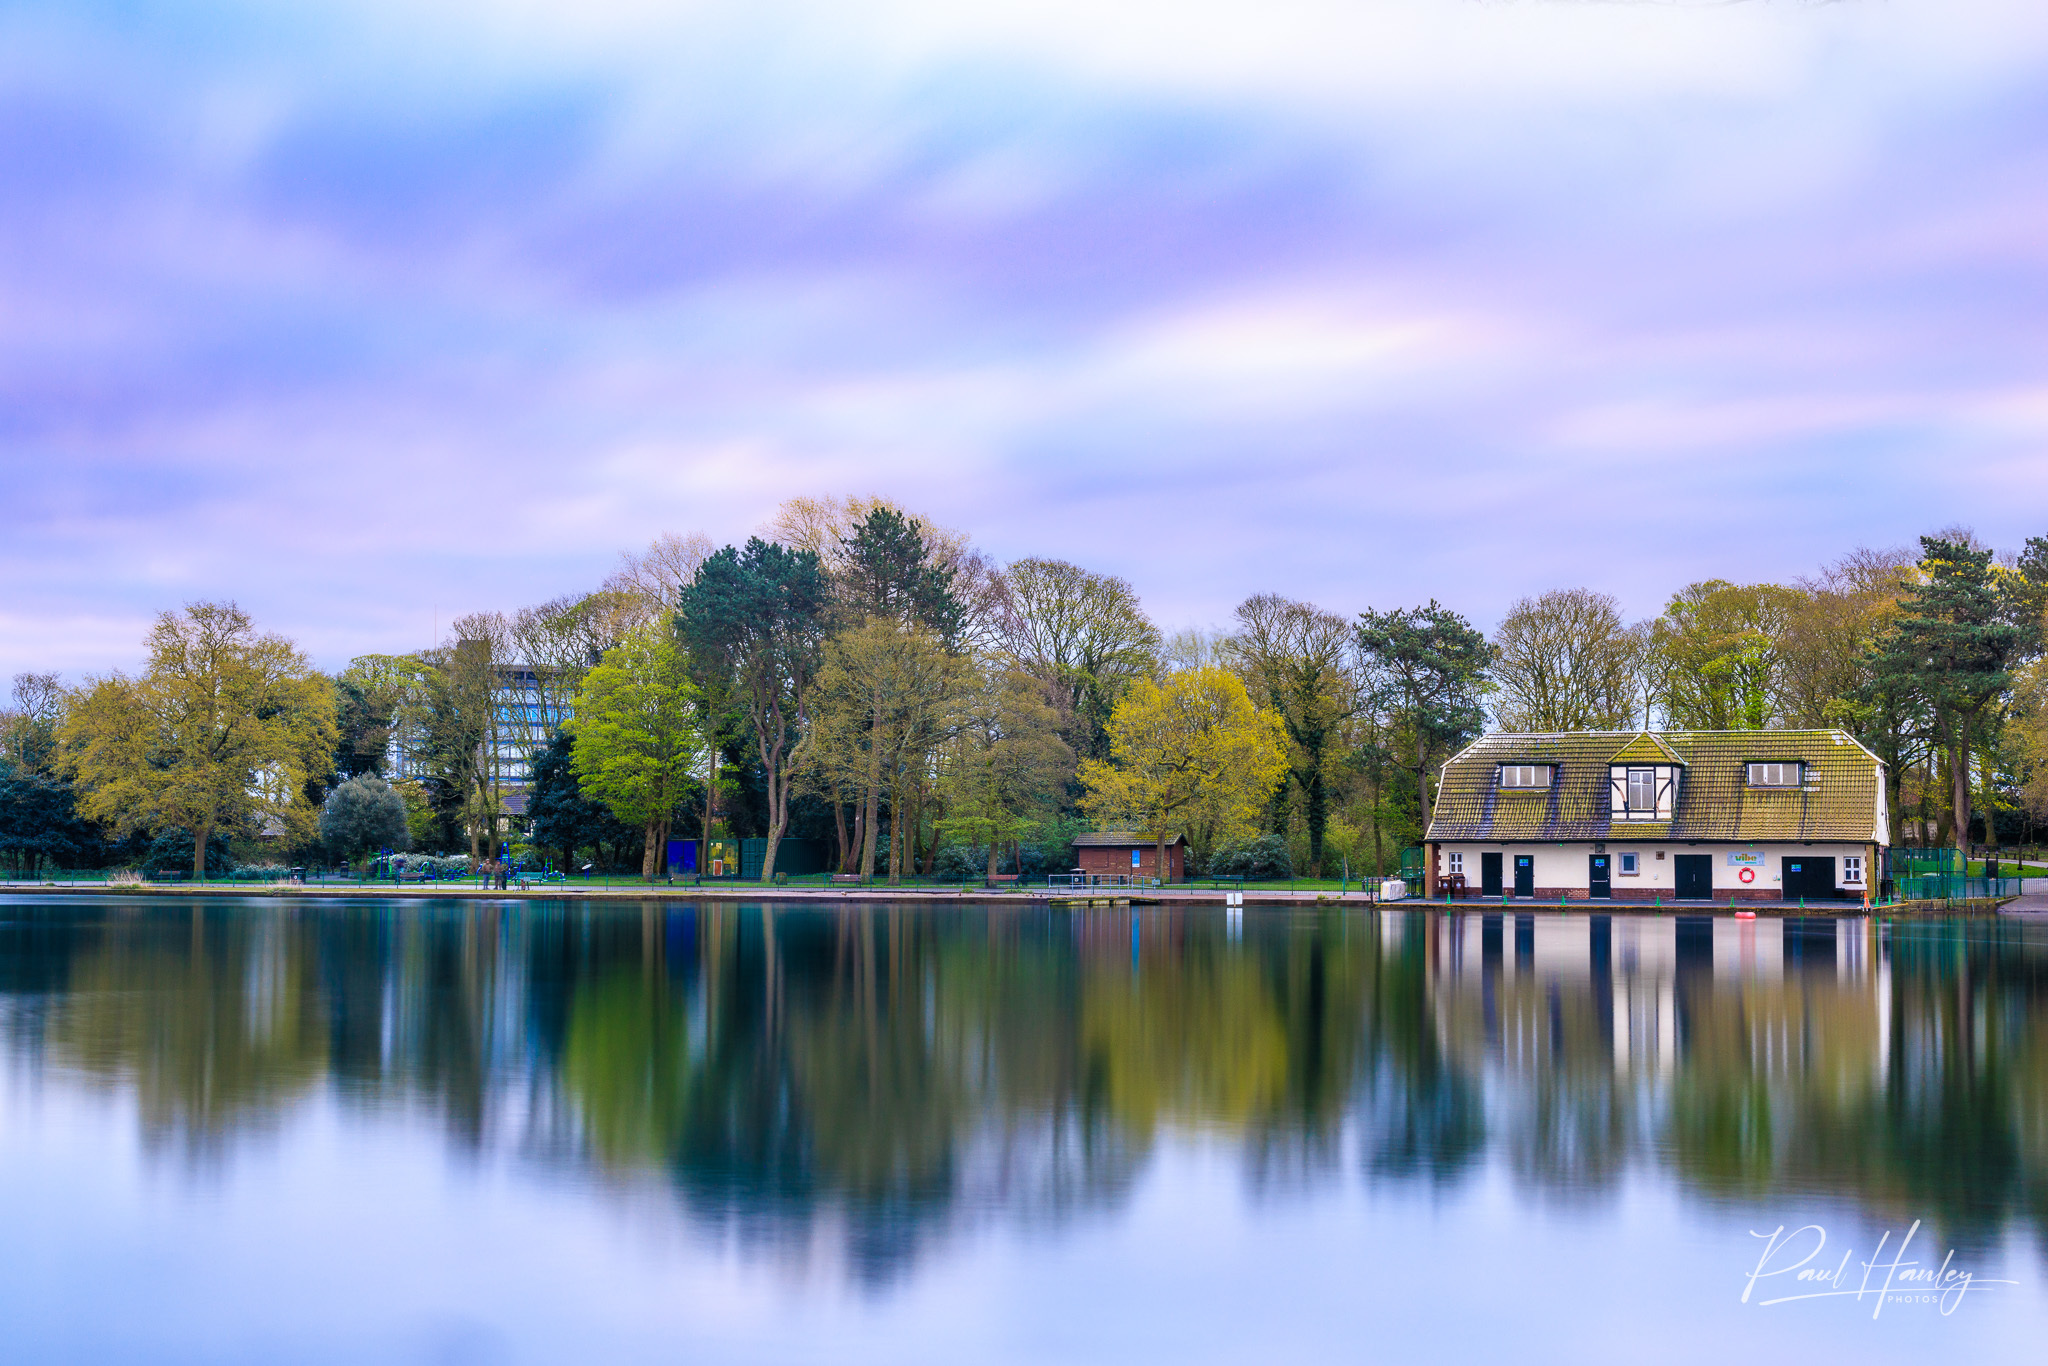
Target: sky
x=365, y=315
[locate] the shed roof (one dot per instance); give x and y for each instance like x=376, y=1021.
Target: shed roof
x=1841, y=797
x=1124, y=839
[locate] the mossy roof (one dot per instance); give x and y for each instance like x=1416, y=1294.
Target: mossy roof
x=1839, y=799
x=1646, y=748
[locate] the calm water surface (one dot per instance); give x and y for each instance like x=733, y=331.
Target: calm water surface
x=395, y=1131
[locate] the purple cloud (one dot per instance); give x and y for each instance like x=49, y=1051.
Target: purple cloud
x=363, y=316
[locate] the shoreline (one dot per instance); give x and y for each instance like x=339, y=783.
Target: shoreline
x=1047, y=897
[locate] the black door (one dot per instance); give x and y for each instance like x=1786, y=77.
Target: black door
x=1597, y=884
x=1525, y=875
x=1695, y=875
x=1489, y=875
x=1812, y=878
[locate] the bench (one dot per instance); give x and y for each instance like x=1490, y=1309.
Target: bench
x=1002, y=879
x=854, y=878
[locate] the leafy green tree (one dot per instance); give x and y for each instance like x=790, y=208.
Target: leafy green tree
x=361, y=815
x=1190, y=750
x=563, y=818
x=636, y=738
x=363, y=711
x=174, y=849
x=887, y=698
x=1426, y=668
x=753, y=623
x=1721, y=657
x=1006, y=764
x=1954, y=644
x=223, y=728
x=1262, y=859
x=2029, y=594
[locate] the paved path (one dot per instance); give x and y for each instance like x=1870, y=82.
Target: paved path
x=2032, y=900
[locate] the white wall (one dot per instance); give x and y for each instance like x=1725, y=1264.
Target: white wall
x=1566, y=865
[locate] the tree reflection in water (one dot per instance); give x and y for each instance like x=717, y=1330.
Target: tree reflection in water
x=879, y=1076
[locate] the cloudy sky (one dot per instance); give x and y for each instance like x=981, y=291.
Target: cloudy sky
x=366, y=314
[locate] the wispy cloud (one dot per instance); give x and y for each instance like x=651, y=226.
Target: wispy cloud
x=354, y=312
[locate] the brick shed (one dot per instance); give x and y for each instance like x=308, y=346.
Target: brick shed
x=1126, y=851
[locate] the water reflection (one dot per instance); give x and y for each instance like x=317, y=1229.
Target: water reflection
x=880, y=1076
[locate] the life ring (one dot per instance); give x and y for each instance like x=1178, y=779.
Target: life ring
x=1747, y=875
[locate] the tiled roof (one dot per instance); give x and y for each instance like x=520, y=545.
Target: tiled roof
x=1839, y=799
x=1645, y=749
x=1122, y=839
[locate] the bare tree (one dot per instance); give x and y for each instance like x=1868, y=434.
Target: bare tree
x=1292, y=657
x=1829, y=634
x=657, y=574
x=1083, y=633
x=1565, y=660
x=28, y=730
x=1193, y=647
x=823, y=525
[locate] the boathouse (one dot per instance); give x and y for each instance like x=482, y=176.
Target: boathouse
x=1671, y=816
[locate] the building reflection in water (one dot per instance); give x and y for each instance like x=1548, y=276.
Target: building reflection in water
x=881, y=1077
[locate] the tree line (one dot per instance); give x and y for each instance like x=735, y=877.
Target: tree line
x=860, y=677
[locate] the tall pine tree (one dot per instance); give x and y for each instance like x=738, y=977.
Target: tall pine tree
x=1954, y=644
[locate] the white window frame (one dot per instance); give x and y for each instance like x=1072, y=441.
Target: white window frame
x=1625, y=785
x=1457, y=863
x=1628, y=866
x=1774, y=773
x=1526, y=777
x=1852, y=870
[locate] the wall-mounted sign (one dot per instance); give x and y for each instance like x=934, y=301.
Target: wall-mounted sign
x=1745, y=860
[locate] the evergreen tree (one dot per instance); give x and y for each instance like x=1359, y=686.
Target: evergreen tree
x=1426, y=666
x=563, y=818
x=753, y=623
x=361, y=815
x=1954, y=644
x=890, y=573
x=39, y=822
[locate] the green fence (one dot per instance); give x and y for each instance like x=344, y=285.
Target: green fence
x=1922, y=862
x=1955, y=887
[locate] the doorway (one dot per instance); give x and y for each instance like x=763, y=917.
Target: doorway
x=1813, y=878
x=1525, y=875
x=1489, y=875
x=1598, y=883
x=1694, y=874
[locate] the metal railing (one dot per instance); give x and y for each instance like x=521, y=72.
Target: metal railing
x=1126, y=880
x=1955, y=887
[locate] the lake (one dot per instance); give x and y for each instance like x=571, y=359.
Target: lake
x=387, y=1130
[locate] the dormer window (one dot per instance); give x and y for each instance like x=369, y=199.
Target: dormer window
x=1642, y=792
x=1525, y=775
x=1776, y=774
